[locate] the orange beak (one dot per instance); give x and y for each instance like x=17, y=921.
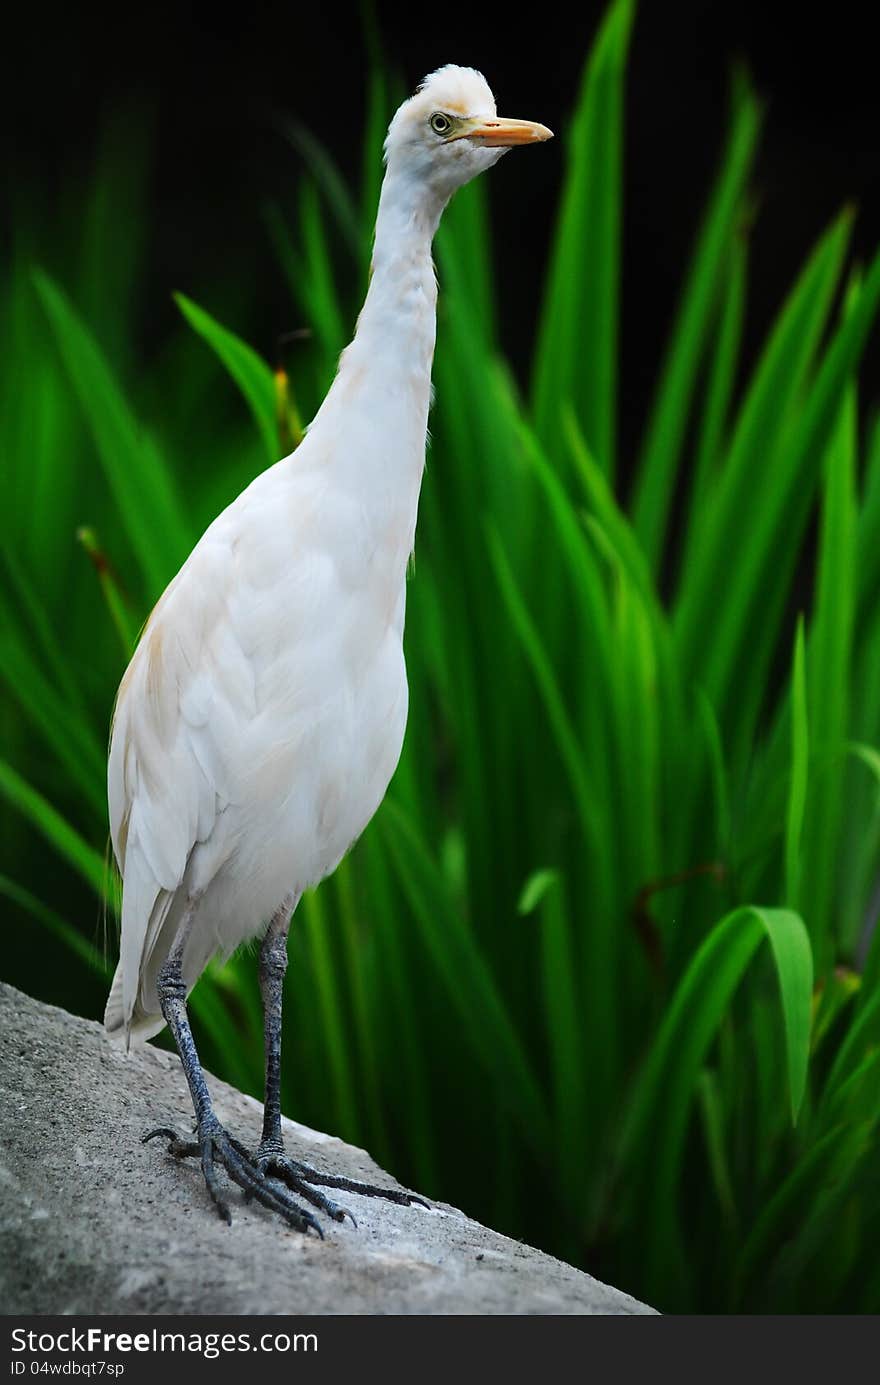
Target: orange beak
x=499, y=131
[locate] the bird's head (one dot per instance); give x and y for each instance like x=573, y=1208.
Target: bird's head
x=449, y=131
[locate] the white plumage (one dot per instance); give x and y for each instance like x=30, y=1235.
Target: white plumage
x=262, y=715
x=259, y=724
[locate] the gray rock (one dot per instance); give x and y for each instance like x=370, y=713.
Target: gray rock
x=93, y=1221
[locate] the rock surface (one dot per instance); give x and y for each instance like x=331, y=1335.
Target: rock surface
x=92, y=1221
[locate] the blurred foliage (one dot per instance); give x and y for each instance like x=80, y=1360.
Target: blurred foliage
x=603, y=969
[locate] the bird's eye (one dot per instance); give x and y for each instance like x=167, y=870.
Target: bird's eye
x=440, y=123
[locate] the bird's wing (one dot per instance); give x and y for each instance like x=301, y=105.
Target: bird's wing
x=179, y=710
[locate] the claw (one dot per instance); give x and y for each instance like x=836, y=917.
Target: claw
x=214, y=1143
x=314, y=1223
x=331, y=1180
x=302, y=1178
x=181, y=1149
x=159, y=1130
x=213, y=1183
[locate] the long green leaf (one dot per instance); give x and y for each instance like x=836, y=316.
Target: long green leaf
x=334, y=187
x=142, y=485
x=832, y=1156
x=661, y=453
x=779, y=507
x=248, y=370
x=665, y=1090
x=700, y=1001
x=543, y=671
x=712, y=430
x=724, y=539
x=65, y=839
x=54, y=924
x=59, y=718
x=482, y=1010
x=862, y=1034
x=797, y=794
x=576, y=357
x=830, y=658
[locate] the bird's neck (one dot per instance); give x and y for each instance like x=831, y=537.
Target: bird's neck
x=377, y=408
x=394, y=338
x=386, y=370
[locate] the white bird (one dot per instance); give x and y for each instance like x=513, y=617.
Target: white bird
x=262, y=715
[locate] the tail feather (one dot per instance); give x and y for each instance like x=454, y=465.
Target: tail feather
x=144, y=1019
x=138, y=1028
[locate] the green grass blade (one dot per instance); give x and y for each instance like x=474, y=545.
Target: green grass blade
x=664, y=1092
x=830, y=1158
x=544, y=895
x=575, y=551
x=710, y=1100
x=762, y=555
x=539, y=883
x=576, y=356
x=316, y=929
x=211, y=1014
x=797, y=794
x=119, y=613
x=857, y=1096
x=861, y=1037
x=249, y=371
x=829, y=673
x=333, y=186
x=868, y=756
x=64, y=838
x=701, y=999
x=664, y=436
x=868, y=561
x=838, y=989
x=35, y=620
x=361, y=1007
x=69, y=736
x=481, y=1008
x=53, y=923
x=773, y=396
x=790, y=945
x=318, y=284
x=712, y=429
x=406, y=1043
x=718, y=772
x=542, y=668
x=634, y=677
x=603, y=504
x=464, y=246
x=142, y=486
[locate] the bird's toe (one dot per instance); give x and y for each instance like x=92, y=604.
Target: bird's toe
x=215, y=1146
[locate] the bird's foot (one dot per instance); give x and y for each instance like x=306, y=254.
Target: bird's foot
x=214, y=1145
x=271, y=1160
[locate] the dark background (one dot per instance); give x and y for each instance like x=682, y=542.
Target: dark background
x=213, y=82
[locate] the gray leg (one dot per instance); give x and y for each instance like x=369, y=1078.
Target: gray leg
x=212, y=1142
x=270, y=1158
x=172, y=998
x=273, y=965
